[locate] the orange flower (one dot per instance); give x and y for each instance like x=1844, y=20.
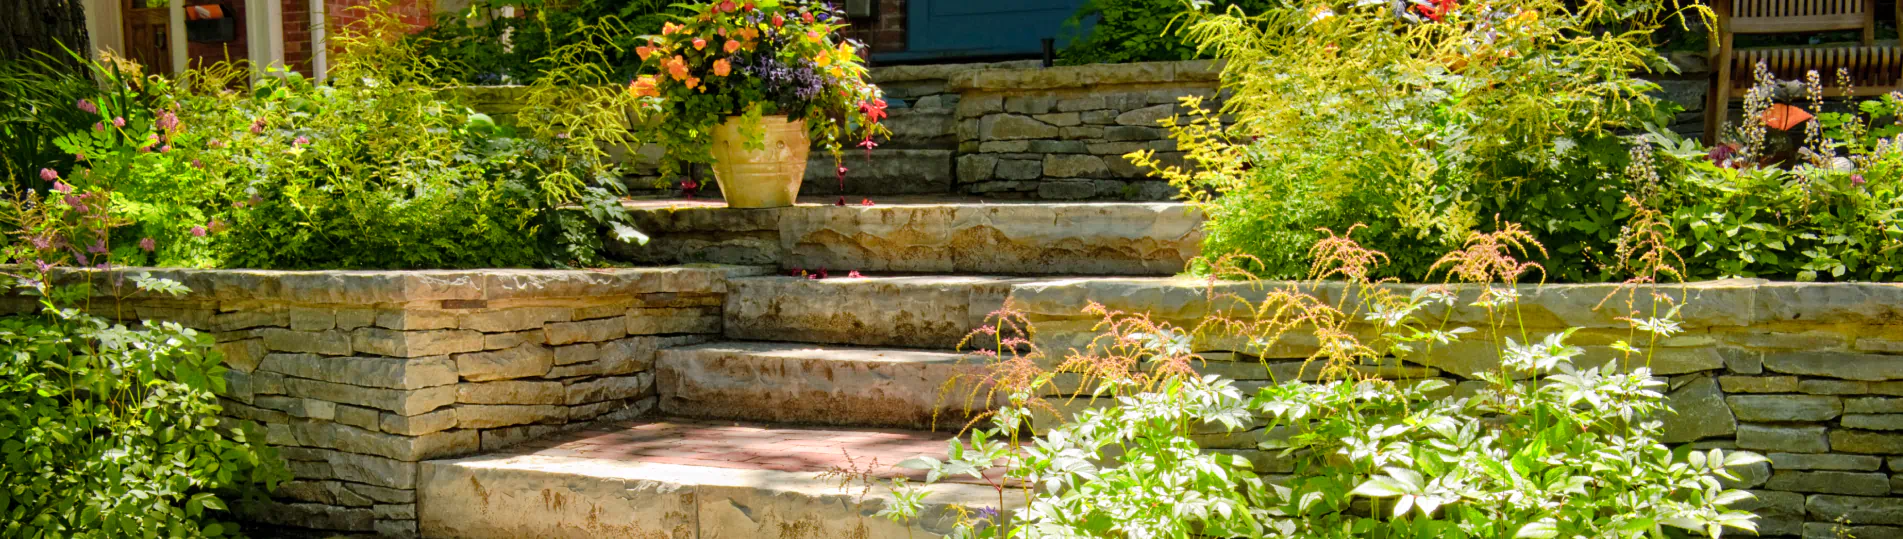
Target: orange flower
x=778, y=20
x=808, y=17
x=643, y=87
x=732, y=46
x=823, y=59
x=722, y=68
x=644, y=51
x=812, y=35
x=750, y=34
x=693, y=82
x=669, y=28
x=700, y=43
x=677, y=67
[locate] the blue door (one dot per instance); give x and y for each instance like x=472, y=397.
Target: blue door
x=954, y=28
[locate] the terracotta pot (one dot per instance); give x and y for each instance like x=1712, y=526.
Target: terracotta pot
x=768, y=177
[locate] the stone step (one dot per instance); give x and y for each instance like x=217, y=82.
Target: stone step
x=924, y=235
x=930, y=312
x=829, y=385
x=686, y=478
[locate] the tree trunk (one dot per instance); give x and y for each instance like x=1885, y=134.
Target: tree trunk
x=30, y=26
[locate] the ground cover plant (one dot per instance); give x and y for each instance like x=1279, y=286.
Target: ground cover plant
x=1553, y=443
x=370, y=170
x=109, y=429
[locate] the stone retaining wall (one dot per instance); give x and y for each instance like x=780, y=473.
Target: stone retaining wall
x=1810, y=375
x=358, y=376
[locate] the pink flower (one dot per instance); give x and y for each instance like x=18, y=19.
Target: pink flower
x=216, y=226
x=197, y=164
x=118, y=121
x=62, y=187
x=43, y=266
x=198, y=232
x=301, y=141
x=257, y=126
x=88, y=106
x=1855, y=179
x=865, y=202
x=215, y=143
x=854, y=274
x=99, y=126
x=98, y=247
x=47, y=174
x=165, y=148
x=148, y=245
x=167, y=120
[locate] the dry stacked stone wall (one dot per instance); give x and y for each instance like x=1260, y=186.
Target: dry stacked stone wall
x=1810, y=375
x=358, y=376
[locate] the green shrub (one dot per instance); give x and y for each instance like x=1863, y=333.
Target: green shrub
x=1423, y=124
x=1136, y=31
x=1553, y=442
x=42, y=104
x=469, y=43
x=114, y=431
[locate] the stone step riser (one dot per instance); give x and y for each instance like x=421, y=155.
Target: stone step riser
x=906, y=312
x=965, y=238
x=559, y=497
x=837, y=386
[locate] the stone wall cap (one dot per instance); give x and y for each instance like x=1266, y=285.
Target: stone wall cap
x=1042, y=78
x=365, y=287
x=927, y=72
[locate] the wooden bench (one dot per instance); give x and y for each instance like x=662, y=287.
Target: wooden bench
x=1873, y=70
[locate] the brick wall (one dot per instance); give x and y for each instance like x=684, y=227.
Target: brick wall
x=885, y=30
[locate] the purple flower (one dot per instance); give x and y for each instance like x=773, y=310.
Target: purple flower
x=81, y=257
x=148, y=245
x=118, y=121
x=98, y=248
x=198, y=232
x=47, y=174
x=40, y=242
x=42, y=265
x=62, y=187
x=88, y=106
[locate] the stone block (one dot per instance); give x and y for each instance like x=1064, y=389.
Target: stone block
x=497, y=439
x=1779, y=513
x=522, y=361
x=1038, y=104
x=415, y=319
x=1867, y=442
x=396, y=511
x=1772, y=408
x=420, y=424
x=1831, y=461
x=1067, y=189
x=312, y=319
x=972, y=106
x=1019, y=169
x=373, y=470
x=1060, y=119
x=668, y=321
x=498, y=341
x=1873, y=405
x=299, y=407
x=487, y=416
x=402, y=401
x=384, y=372
x=395, y=343
x=1886, y=346
x=510, y=392
x=1150, y=116
x=974, y=168
x=1790, y=439
x=308, y=515
x=514, y=319
x=1133, y=133
x=1099, y=117
x=1073, y=166
x=577, y=353
x=348, y=439
x=329, y=343
x=1857, y=509
x=604, y=329
x=1742, y=361
x=1844, y=365
x=1013, y=127
x=382, y=494
x=242, y=355
x=609, y=388
x=1830, y=482
x=1873, y=421
x=1698, y=411
x=1082, y=103
x=1833, y=387
x=1834, y=530
x=363, y=418
x=1758, y=384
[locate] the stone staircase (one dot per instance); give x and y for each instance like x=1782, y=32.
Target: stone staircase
x=810, y=377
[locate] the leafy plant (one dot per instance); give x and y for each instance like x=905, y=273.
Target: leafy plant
x=749, y=59
x=482, y=44
x=42, y=104
x=1122, y=31
x=1425, y=122
x=114, y=431
x=1553, y=442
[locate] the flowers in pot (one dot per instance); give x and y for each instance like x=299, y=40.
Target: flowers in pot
x=750, y=87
